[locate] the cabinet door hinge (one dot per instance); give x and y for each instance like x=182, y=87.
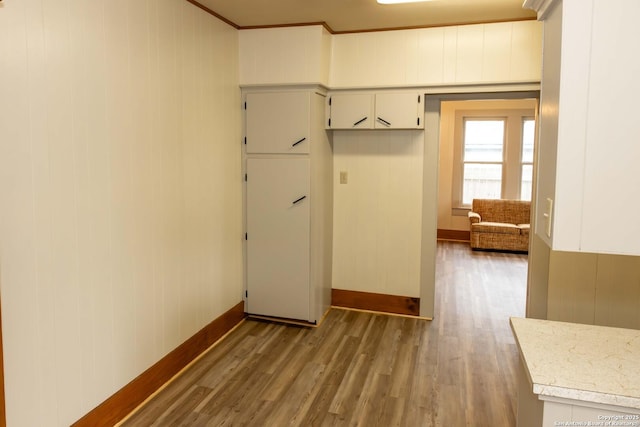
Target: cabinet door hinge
x=418, y=99
x=329, y=122
x=245, y=140
x=245, y=105
x=329, y=101
x=418, y=121
x=246, y=294
x=246, y=236
x=245, y=177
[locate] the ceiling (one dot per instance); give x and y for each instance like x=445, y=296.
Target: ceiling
x=365, y=15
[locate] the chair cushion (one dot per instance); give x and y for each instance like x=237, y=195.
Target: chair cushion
x=502, y=210
x=495, y=227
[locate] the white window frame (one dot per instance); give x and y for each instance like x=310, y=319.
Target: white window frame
x=512, y=152
x=522, y=162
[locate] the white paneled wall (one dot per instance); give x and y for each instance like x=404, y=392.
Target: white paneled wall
x=285, y=55
x=120, y=193
x=378, y=213
x=470, y=54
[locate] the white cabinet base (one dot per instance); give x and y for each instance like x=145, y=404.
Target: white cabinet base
x=546, y=411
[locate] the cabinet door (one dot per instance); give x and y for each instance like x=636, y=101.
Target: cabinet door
x=278, y=122
x=399, y=111
x=278, y=237
x=351, y=111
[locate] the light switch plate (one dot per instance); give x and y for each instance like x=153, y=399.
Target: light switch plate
x=344, y=177
x=548, y=216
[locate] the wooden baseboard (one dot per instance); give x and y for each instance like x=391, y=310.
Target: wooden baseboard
x=3, y=415
x=118, y=406
x=376, y=302
x=461, y=235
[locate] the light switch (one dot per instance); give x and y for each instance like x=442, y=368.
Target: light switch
x=548, y=215
x=344, y=177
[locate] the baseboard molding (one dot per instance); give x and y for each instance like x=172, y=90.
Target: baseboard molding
x=118, y=406
x=376, y=302
x=461, y=235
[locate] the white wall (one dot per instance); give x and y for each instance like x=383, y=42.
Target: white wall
x=285, y=55
x=377, y=214
x=469, y=54
x=120, y=193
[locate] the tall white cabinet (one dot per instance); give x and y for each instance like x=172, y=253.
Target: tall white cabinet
x=288, y=203
x=589, y=152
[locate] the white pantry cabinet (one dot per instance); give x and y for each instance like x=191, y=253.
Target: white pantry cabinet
x=379, y=110
x=288, y=203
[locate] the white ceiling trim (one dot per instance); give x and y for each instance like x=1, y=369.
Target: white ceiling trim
x=542, y=7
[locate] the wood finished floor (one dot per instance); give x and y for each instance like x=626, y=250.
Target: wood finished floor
x=365, y=369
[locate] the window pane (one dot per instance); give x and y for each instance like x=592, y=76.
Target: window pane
x=528, y=133
x=526, y=184
x=483, y=140
x=481, y=181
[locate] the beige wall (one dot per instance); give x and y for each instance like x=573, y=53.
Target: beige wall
x=597, y=289
x=120, y=193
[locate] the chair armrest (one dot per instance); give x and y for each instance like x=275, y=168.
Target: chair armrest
x=474, y=217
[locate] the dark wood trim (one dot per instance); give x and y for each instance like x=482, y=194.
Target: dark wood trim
x=331, y=31
x=296, y=24
x=376, y=30
x=376, y=302
x=3, y=413
x=459, y=235
x=211, y=12
x=419, y=27
x=118, y=406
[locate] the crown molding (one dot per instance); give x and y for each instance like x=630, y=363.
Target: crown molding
x=542, y=7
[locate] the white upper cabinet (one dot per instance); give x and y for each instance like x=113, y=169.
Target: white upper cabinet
x=278, y=123
x=399, y=110
x=380, y=110
x=350, y=111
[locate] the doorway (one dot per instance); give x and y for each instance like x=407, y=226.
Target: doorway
x=431, y=181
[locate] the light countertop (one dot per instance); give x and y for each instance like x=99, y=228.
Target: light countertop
x=582, y=362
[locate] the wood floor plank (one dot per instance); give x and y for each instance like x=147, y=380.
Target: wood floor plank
x=367, y=369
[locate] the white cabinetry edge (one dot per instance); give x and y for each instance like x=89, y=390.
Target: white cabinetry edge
x=585, y=363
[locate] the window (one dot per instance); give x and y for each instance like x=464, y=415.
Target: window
x=492, y=155
x=483, y=157
x=526, y=165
